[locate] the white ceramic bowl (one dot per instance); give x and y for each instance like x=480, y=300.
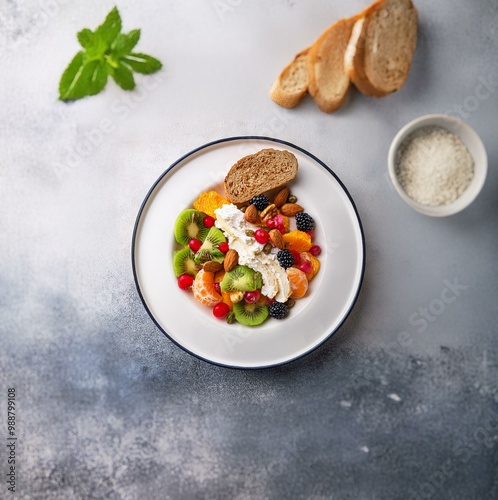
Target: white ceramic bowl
x=476, y=149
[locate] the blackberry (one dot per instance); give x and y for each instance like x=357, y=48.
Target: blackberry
x=260, y=202
x=278, y=310
x=304, y=221
x=285, y=258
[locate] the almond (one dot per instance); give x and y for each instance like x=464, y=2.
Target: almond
x=251, y=214
x=281, y=197
x=276, y=238
x=212, y=266
x=290, y=209
x=231, y=260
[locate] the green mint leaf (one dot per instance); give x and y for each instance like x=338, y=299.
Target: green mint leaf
x=86, y=38
x=110, y=28
x=142, y=63
x=70, y=76
x=94, y=45
x=97, y=73
x=82, y=78
x=106, y=52
x=124, y=43
x=123, y=77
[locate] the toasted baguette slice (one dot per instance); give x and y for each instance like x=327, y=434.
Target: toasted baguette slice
x=389, y=44
x=354, y=60
x=258, y=173
x=328, y=81
x=292, y=84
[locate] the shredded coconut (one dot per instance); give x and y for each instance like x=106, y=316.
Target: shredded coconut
x=433, y=166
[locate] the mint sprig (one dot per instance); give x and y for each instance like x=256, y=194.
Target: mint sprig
x=106, y=52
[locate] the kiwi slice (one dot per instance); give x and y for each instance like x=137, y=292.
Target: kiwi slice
x=189, y=225
x=183, y=262
x=241, y=278
x=250, y=314
x=209, y=249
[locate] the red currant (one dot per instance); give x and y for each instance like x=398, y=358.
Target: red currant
x=306, y=266
x=311, y=234
x=194, y=245
x=220, y=310
x=297, y=257
x=261, y=236
x=185, y=281
x=282, y=228
x=223, y=247
x=270, y=223
x=252, y=297
x=208, y=221
x=217, y=287
x=315, y=250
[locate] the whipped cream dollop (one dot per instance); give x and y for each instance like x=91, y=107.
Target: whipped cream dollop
x=232, y=222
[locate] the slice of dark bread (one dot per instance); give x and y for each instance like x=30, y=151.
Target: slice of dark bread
x=260, y=172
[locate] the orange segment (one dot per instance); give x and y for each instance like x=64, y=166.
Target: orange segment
x=297, y=240
x=203, y=289
x=314, y=262
x=208, y=202
x=226, y=299
x=298, y=282
x=263, y=300
x=218, y=276
x=286, y=222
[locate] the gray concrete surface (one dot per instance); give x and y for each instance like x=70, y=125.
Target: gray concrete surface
x=107, y=407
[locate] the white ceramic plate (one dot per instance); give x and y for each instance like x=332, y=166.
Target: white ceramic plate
x=190, y=325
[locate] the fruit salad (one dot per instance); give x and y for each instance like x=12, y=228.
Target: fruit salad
x=247, y=263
